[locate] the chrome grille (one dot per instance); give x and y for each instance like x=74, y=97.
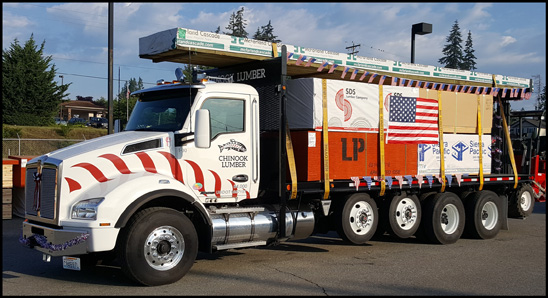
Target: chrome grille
x=30, y=188
x=43, y=192
x=49, y=186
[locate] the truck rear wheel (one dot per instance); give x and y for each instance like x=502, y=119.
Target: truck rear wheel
x=404, y=215
x=521, y=205
x=443, y=218
x=158, y=246
x=483, y=215
x=358, y=219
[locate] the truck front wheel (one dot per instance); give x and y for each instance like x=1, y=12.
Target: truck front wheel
x=158, y=246
x=358, y=219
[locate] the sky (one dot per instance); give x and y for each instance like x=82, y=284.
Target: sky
x=508, y=38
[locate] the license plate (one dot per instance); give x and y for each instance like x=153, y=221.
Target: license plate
x=71, y=263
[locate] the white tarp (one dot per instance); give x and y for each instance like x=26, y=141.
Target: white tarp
x=352, y=106
x=461, y=152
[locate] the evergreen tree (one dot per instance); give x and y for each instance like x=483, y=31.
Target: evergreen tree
x=453, y=50
x=258, y=34
x=30, y=94
x=469, y=60
x=125, y=105
x=266, y=33
x=236, y=24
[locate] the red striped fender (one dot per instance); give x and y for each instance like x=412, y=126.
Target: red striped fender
x=149, y=166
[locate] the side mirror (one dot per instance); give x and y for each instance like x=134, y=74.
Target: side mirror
x=202, y=129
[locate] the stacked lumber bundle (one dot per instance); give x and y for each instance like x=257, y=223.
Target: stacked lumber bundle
x=7, y=187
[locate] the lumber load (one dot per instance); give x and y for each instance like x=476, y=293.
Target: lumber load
x=188, y=46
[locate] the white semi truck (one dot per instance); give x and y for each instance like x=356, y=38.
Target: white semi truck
x=209, y=166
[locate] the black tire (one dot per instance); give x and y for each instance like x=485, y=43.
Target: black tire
x=483, y=215
x=443, y=218
x=420, y=234
x=382, y=223
x=522, y=202
x=358, y=219
x=404, y=215
x=166, y=231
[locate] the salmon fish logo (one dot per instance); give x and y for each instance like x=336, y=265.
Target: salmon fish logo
x=233, y=145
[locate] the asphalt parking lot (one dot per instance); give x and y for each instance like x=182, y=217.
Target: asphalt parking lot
x=514, y=263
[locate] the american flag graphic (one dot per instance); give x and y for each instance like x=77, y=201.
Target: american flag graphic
x=310, y=62
x=344, y=72
x=412, y=120
x=323, y=66
x=354, y=73
x=300, y=59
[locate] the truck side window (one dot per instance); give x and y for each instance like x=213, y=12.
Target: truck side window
x=227, y=115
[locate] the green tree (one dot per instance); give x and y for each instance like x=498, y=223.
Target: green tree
x=453, y=50
x=236, y=24
x=124, y=105
x=469, y=60
x=30, y=94
x=103, y=102
x=266, y=33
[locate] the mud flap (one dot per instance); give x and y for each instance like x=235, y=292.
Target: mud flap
x=504, y=212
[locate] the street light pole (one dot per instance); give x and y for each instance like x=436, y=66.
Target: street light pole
x=420, y=29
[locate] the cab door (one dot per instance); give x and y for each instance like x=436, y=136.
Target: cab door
x=227, y=170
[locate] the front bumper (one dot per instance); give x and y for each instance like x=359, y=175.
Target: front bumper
x=55, y=242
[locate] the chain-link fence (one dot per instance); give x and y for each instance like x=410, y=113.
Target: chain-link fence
x=33, y=147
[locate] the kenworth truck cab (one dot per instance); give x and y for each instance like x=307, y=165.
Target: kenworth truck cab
x=184, y=146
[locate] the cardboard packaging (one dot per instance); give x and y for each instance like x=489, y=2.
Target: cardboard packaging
x=460, y=111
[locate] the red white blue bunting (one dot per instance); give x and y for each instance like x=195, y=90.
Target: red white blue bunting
x=521, y=93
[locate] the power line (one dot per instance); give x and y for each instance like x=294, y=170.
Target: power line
x=103, y=24
x=101, y=78
x=60, y=58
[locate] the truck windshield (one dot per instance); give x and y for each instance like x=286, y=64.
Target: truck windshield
x=161, y=110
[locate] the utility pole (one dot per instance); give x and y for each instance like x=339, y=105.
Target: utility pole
x=353, y=47
x=110, y=56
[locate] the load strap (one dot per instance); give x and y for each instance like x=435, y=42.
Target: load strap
x=325, y=141
x=291, y=161
x=442, y=150
x=381, y=141
x=507, y=135
x=509, y=143
x=480, y=132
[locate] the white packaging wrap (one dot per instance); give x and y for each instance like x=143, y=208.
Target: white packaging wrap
x=351, y=106
x=461, y=155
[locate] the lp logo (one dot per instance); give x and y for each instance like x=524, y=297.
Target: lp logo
x=458, y=150
x=358, y=146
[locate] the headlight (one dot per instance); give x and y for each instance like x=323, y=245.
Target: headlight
x=86, y=209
